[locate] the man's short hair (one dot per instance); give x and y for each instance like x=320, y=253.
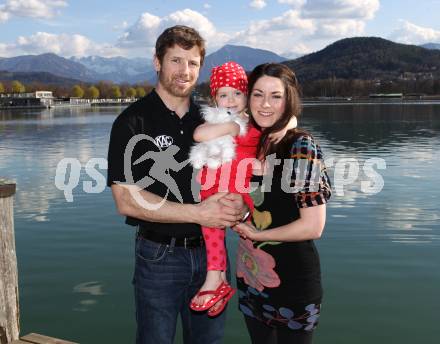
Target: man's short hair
x=184, y=36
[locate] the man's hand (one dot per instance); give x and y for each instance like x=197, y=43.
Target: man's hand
x=234, y=205
x=220, y=210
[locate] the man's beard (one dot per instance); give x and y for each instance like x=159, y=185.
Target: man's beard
x=174, y=89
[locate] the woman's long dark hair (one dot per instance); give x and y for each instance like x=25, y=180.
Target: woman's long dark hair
x=293, y=108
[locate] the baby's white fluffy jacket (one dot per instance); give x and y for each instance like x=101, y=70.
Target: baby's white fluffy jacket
x=220, y=150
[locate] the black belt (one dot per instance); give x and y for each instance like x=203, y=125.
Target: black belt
x=188, y=242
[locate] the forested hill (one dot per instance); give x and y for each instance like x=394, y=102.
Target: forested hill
x=367, y=58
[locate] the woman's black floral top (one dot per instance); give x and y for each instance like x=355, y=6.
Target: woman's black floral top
x=280, y=282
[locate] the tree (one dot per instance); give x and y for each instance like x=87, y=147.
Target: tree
x=77, y=91
x=147, y=87
x=2, y=88
x=131, y=93
x=124, y=88
x=140, y=91
x=104, y=88
x=18, y=87
x=60, y=91
x=35, y=86
x=115, y=92
x=92, y=92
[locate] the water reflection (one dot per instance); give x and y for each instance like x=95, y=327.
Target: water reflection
x=32, y=143
x=46, y=115
x=406, y=137
x=373, y=127
x=370, y=241
x=92, y=288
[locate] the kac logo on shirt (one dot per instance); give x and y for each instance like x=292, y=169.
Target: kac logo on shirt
x=163, y=141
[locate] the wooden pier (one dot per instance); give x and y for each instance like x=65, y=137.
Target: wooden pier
x=34, y=338
x=9, y=301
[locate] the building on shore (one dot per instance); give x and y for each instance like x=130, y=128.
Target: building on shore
x=38, y=99
x=45, y=99
x=386, y=95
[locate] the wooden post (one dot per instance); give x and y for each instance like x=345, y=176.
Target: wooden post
x=9, y=310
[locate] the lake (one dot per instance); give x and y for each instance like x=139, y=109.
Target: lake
x=380, y=252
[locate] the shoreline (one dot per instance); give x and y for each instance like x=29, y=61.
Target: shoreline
x=310, y=102
x=305, y=102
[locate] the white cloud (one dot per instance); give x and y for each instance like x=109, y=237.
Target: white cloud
x=293, y=3
x=4, y=16
x=410, y=33
x=3, y=49
x=31, y=8
x=338, y=28
x=144, y=31
x=309, y=25
x=63, y=44
x=289, y=20
x=148, y=27
x=121, y=26
x=258, y=4
x=348, y=9
x=138, y=40
x=206, y=6
x=278, y=33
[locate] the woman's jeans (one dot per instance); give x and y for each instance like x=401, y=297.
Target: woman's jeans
x=166, y=278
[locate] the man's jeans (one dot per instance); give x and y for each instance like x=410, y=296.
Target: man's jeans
x=166, y=278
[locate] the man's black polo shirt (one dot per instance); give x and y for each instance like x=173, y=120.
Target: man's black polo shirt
x=151, y=117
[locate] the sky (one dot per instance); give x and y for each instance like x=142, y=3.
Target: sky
x=129, y=28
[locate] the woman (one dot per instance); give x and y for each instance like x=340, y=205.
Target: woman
x=278, y=270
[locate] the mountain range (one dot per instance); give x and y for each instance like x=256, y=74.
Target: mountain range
x=86, y=69
x=120, y=69
x=49, y=63
x=360, y=57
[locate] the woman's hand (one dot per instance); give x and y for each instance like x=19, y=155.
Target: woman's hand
x=247, y=231
x=278, y=136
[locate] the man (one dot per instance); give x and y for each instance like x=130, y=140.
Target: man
x=170, y=261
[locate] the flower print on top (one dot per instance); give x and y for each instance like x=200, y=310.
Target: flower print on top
x=262, y=219
x=255, y=266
